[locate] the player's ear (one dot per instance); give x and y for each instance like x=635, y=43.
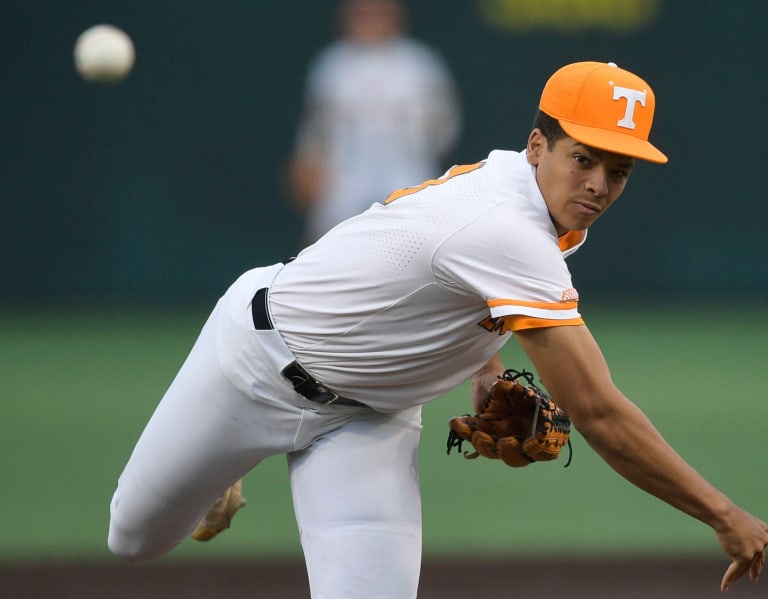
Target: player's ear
x=537, y=144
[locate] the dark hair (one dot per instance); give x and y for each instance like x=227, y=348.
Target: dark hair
x=549, y=127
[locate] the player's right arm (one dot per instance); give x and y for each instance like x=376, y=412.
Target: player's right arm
x=574, y=371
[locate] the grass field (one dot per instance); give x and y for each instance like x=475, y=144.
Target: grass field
x=78, y=387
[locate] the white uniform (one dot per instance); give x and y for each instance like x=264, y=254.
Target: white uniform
x=394, y=321
x=380, y=116
x=392, y=308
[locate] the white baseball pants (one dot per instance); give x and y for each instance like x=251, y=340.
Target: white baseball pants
x=353, y=472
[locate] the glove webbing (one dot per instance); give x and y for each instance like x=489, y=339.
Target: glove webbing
x=557, y=422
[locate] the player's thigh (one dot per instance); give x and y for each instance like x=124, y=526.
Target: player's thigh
x=202, y=437
x=357, y=502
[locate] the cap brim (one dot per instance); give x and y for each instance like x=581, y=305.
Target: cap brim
x=613, y=141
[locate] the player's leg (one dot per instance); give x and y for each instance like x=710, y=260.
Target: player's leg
x=357, y=502
x=177, y=467
x=204, y=435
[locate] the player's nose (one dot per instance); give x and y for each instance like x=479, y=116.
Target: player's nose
x=597, y=182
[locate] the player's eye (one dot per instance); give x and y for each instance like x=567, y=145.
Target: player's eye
x=582, y=160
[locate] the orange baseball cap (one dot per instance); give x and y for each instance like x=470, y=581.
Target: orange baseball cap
x=603, y=106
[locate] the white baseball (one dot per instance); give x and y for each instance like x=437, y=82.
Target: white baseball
x=104, y=53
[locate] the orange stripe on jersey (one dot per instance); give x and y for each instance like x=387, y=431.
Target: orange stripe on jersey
x=456, y=170
x=541, y=305
x=570, y=239
x=520, y=323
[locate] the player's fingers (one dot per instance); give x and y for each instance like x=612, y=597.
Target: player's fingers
x=734, y=572
x=757, y=566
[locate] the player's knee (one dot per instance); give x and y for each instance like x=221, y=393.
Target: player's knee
x=133, y=546
x=136, y=531
x=125, y=546
x=137, y=539
x=124, y=552
x=120, y=546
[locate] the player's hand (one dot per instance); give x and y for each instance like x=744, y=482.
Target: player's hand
x=483, y=379
x=745, y=540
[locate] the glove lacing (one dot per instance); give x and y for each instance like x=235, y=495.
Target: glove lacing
x=559, y=424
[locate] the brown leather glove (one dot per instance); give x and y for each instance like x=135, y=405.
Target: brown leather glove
x=517, y=423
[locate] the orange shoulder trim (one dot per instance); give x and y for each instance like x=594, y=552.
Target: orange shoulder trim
x=520, y=323
x=568, y=305
x=453, y=172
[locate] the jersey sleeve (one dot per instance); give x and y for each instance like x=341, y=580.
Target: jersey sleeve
x=518, y=270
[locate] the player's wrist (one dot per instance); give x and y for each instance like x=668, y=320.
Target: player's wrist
x=722, y=514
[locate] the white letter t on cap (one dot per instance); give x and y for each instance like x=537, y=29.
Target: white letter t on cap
x=633, y=97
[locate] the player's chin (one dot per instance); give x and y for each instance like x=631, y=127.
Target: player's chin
x=581, y=222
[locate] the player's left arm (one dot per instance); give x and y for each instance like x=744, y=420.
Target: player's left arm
x=574, y=371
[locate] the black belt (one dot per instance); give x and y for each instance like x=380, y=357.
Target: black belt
x=303, y=382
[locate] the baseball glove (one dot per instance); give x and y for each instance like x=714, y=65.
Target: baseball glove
x=517, y=423
x=220, y=515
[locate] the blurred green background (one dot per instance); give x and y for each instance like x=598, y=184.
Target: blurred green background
x=167, y=186
x=78, y=387
x=127, y=210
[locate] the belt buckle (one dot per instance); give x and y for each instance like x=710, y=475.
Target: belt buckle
x=303, y=383
x=331, y=395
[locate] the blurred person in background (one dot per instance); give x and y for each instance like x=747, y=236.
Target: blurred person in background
x=381, y=111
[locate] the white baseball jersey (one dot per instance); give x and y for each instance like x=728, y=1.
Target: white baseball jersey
x=449, y=269
x=381, y=116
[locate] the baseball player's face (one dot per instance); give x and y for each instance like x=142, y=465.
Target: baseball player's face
x=578, y=182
